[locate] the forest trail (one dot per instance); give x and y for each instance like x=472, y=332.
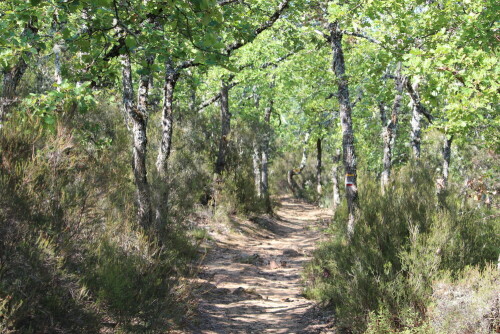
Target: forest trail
x=250, y=281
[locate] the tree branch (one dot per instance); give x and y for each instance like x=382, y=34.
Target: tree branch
x=215, y=98
x=362, y=35
x=279, y=60
x=187, y=64
x=227, y=2
x=266, y=25
x=416, y=100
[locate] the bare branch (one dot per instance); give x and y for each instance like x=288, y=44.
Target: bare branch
x=208, y=102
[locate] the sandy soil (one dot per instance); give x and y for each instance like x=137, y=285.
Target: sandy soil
x=250, y=281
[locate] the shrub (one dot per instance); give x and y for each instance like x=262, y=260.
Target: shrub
x=403, y=241
x=71, y=255
x=467, y=304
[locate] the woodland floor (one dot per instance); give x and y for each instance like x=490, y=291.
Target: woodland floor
x=250, y=281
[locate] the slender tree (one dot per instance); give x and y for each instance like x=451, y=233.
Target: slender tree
x=12, y=75
x=418, y=110
x=319, y=153
x=257, y=172
x=297, y=171
x=442, y=182
x=265, y=157
x=225, y=117
x=335, y=180
x=167, y=122
x=348, y=154
x=389, y=128
x=138, y=117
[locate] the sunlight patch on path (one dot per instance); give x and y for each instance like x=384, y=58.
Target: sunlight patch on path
x=251, y=284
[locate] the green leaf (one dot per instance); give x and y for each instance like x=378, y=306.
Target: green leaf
x=49, y=119
x=130, y=42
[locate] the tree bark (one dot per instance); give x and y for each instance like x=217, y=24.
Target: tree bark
x=442, y=183
x=389, y=129
x=256, y=159
x=192, y=94
x=335, y=181
x=138, y=117
x=11, y=79
x=297, y=171
x=167, y=122
x=57, y=64
x=318, y=165
x=265, y=158
x=415, y=135
x=57, y=49
x=12, y=76
x=257, y=152
x=386, y=138
x=446, y=159
x=225, y=117
x=418, y=109
x=415, y=97
x=349, y=155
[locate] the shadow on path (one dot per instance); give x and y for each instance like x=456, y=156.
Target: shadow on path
x=250, y=282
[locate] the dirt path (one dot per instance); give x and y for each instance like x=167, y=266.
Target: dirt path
x=250, y=282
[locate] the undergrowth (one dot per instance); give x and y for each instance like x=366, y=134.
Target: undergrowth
x=72, y=259
x=404, y=240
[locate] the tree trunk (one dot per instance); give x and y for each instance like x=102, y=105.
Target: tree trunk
x=386, y=138
x=12, y=76
x=335, y=181
x=389, y=129
x=415, y=135
x=442, y=183
x=138, y=117
x=418, y=109
x=57, y=64
x=318, y=165
x=57, y=49
x=11, y=80
x=256, y=168
x=349, y=155
x=167, y=121
x=265, y=158
x=225, y=117
x=446, y=159
x=297, y=171
x=257, y=152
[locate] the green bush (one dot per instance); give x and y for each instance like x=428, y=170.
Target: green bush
x=469, y=303
x=138, y=288
x=71, y=255
x=403, y=240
